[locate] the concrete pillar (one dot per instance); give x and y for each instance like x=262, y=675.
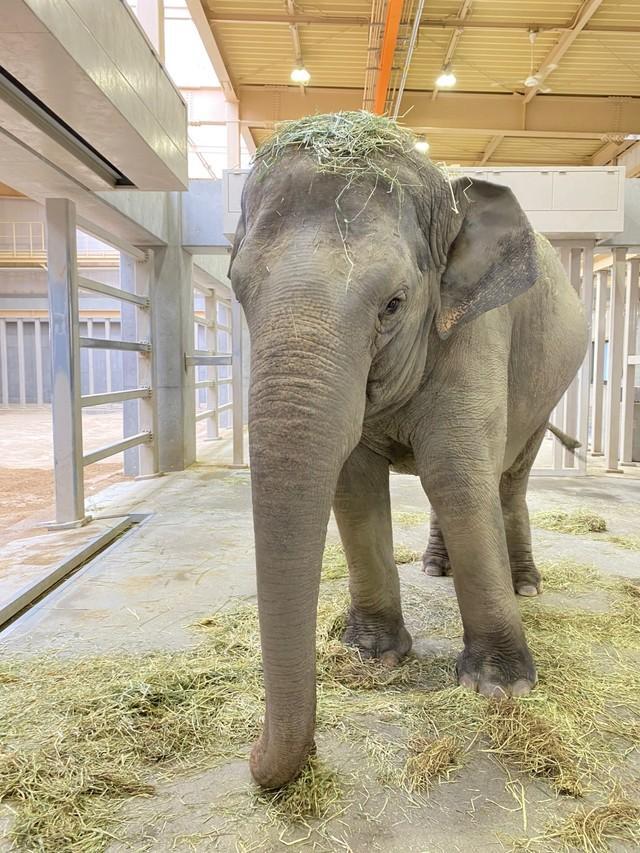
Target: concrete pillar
x=172, y=337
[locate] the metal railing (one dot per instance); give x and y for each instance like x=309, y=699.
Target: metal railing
x=28, y=239
x=66, y=343
x=213, y=337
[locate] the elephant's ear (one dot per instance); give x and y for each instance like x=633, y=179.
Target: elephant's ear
x=492, y=259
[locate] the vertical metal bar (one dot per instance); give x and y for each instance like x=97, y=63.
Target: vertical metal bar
x=236, y=382
x=210, y=313
x=585, y=370
x=629, y=370
x=602, y=291
x=65, y=360
x=92, y=384
x=571, y=408
x=22, y=385
x=108, y=354
x=3, y=362
x=147, y=453
x=37, y=331
x=614, y=374
x=129, y=332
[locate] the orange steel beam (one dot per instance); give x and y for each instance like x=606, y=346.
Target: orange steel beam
x=391, y=27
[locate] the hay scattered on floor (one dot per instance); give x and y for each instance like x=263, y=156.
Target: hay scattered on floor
x=629, y=543
x=410, y=519
x=540, y=746
x=334, y=561
x=561, y=575
x=577, y=522
x=430, y=759
x=316, y=793
x=403, y=554
x=591, y=828
x=82, y=735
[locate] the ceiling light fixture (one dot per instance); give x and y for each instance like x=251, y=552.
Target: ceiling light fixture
x=422, y=145
x=447, y=78
x=300, y=75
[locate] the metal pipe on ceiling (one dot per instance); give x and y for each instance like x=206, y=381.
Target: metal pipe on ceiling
x=392, y=25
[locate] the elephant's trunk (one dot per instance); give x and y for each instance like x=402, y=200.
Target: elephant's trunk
x=305, y=417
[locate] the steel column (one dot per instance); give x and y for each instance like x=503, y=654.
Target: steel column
x=65, y=360
x=602, y=291
x=629, y=368
x=129, y=331
x=614, y=373
x=585, y=370
x=147, y=420
x=236, y=382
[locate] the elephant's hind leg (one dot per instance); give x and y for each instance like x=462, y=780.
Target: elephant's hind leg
x=363, y=511
x=435, y=560
x=513, y=496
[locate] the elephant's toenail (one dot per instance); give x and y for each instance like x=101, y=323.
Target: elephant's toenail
x=527, y=589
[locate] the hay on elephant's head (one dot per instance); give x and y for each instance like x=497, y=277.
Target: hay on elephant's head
x=353, y=144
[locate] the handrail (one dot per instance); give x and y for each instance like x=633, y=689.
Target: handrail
x=116, y=447
x=85, y=283
x=114, y=397
x=106, y=343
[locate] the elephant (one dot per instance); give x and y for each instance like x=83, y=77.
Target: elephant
x=398, y=319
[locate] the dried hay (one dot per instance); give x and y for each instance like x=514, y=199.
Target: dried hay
x=410, y=519
x=334, y=561
x=629, y=543
x=592, y=828
x=577, y=522
x=81, y=735
x=354, y=145
x=430, y=759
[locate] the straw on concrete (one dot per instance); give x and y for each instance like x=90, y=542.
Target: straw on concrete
x=577, y=522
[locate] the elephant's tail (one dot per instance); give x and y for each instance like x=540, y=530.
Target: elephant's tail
x=569, y=442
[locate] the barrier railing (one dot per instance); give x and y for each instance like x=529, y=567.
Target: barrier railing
x=212, y=335
x=66, y=343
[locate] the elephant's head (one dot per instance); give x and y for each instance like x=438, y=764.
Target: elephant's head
x=342, y=278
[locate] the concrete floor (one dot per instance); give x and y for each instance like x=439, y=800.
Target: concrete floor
x=193, y=555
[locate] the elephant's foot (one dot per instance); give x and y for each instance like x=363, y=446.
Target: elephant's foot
x=496, y=674
x=526, y=578
x=377, y=637
x=436, y=563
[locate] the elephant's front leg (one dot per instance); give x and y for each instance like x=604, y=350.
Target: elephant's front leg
x=363, y=512
x=496, y=660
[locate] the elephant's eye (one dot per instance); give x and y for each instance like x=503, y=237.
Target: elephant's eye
x=393, y=305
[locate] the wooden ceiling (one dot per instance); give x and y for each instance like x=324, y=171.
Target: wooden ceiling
x=586, y=54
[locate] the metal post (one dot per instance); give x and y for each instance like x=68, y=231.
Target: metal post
x=65, y=361
x=211, y=344
x=585, y=370
x=629, y=369
x=236, y=382
x=148, y=453
x=602, y=291
x=22, y=382
x=3, y=362
x=129, y=332
x=572, y=399
x=37, y=332
x=614, y=374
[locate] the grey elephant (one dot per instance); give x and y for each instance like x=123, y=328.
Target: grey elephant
x=397, y=320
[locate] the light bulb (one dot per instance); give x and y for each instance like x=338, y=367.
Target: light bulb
x=300, y=75
x=421, y=145
x=447, y=78
x=532, y=81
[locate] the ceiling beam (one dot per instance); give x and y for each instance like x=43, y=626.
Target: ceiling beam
x=295, y=37
x=609, y=150
x=387, y=52
x=630, y=159
x=494, y=142
x=199, y=16
x=552, y=60
x=463, y=11
x=427, y=22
